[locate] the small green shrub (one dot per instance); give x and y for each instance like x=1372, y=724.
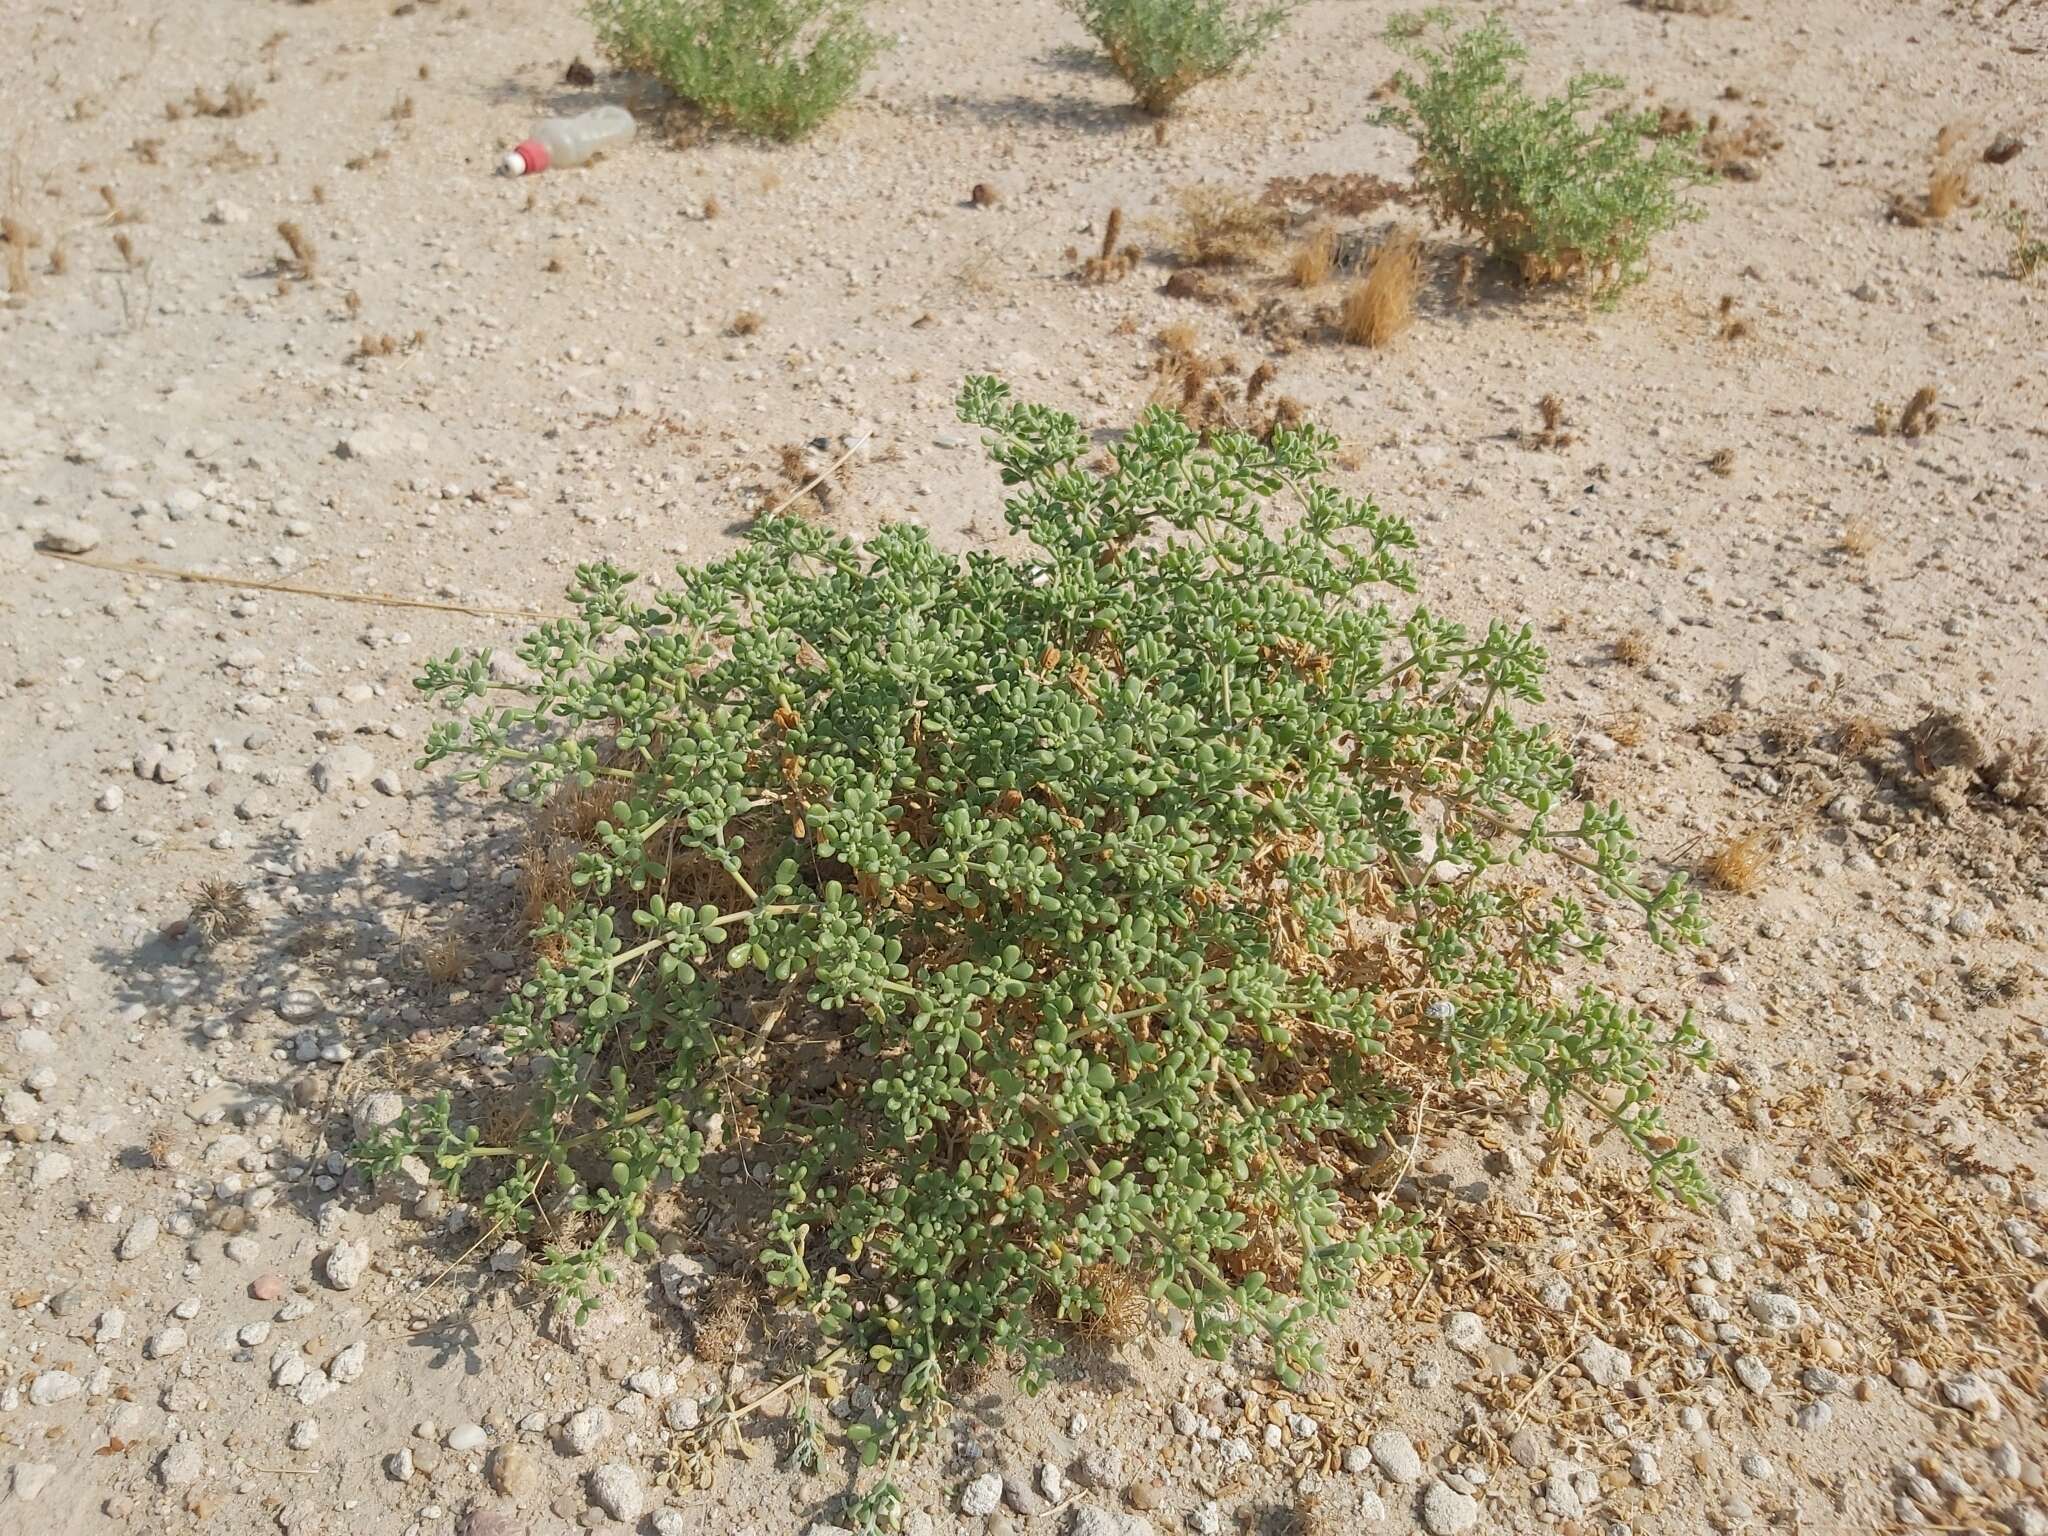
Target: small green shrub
x=1164, y=48
x=772, y=67
x=2029, y=252
x=1553, y=194
x=1068, y=932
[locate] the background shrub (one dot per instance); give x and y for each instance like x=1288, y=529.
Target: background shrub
x=1553, y=194
x=1067, y=931
x=773, y=67
x=1164, y=48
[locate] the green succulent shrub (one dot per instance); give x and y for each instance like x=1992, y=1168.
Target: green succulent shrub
x=1067, y=931
x=772, y=67
x=1164, y=48
x=1555, y=191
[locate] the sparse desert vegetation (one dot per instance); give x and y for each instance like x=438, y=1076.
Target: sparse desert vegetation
x=1555, y=191
x=772, y=67
x=1165, y=48
x=1101, y=992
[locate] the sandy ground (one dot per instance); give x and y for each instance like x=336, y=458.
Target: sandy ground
x=1853, y=1339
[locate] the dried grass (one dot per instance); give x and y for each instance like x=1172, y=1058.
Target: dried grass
x=304, y=259
x=1634, y=649
x=1382, y=305
x=1737, y=152
x=1219, y=227
x=1919, y=417
x=1741, y=863
x=1314, y=258
x=1858, y=538
x=746, y=323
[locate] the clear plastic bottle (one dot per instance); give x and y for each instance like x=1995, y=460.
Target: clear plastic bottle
x=569, y=141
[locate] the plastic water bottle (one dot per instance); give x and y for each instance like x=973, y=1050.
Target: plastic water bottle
x=569, y=141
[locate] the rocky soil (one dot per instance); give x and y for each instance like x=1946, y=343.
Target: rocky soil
x=239, y=927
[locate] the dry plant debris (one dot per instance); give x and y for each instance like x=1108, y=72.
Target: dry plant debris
x=1382, y=304
x=303, y=259
x=1220, y=227
x=1737, y=152
x=1741, y=862
x=1115, y=260
x=1919, y=417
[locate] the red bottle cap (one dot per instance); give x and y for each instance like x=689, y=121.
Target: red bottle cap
x=534, y=153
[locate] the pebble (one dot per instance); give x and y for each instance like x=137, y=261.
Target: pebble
x=342, y=769
x=467, y=1437
x=181, y=1464
x=1909, y=1375
x=1774, y=1310
x=681, y=1414
x=513, y=1473
x=981, y=1496
x=347, y=1366
x=268, y=1286
x=1465, y=1332
x=1970, y=1393
x=1604, y=1365
x=54, y=1387
x=304, y=1436
x=615, y=1489
x=70, y=536
x=1093, y=1520
x=346, y=1264
x=164, y=1343
x=1395, y=1455
x=1753, y=1373
x=585, y=1431
x=28, y=1479
x=1447, y=1512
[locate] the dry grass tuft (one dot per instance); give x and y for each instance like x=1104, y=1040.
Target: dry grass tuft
x=238, y=100
x=1947, y=190
x=444, y=961
x=162, y=1146
x=304, y=255
x=1314, y=259
x=984, y=195
x=1555, y=431
x=1740, y=863
x=1633, y=649
x=1880, y=418
x=130, y=257
x=1858, y=538
x=723, y=1320
x=1218, y=227
x=1465, y=291
x=712, y=209
x=745, y=323
x=385, y=344
x=1919, y=417
x=1723, y=462
x=1382, y=305
x=1858, y=734
x=1123, y=1310
x=221, y=910
x=1738, y=153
